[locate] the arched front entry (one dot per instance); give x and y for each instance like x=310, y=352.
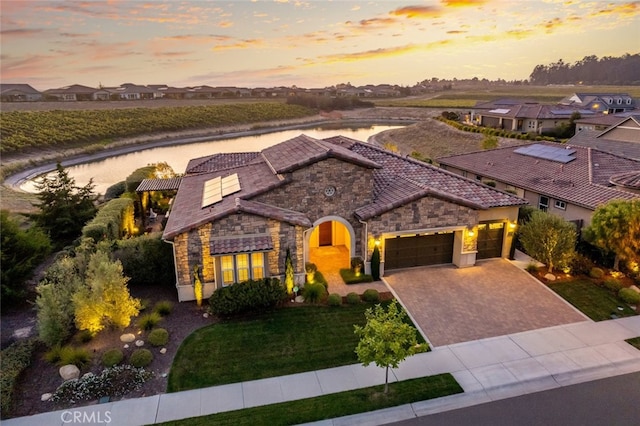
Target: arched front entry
x=330, y=244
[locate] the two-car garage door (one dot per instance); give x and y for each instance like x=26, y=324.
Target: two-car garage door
x=405, y=252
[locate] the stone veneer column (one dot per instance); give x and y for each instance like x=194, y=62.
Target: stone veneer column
x=182, y=259
x=207, y=265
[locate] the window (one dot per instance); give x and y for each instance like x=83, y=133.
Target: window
x=241, y=267
x=531, y=124
x=228, y=270
x=560, y=205
x=257, y=265
x=543, y=204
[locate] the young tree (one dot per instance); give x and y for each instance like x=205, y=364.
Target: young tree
x=386, y=339
x=615, y=227
x=289, y=277
x=54, y=303
x=104, y=299
x=21, y=251
x=549, y=239
x=64, y=207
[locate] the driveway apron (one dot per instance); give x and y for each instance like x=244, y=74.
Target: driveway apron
x=494, y=298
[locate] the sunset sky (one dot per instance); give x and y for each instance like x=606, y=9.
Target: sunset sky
x=51, y=44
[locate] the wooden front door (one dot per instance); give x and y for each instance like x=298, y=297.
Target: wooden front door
x=325, y=234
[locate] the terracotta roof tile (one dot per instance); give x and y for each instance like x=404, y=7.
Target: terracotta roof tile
x=579, y=182
x=273, y=212
x=159, y=184
x=219, y=162
x=629, y=180
x=240, y=244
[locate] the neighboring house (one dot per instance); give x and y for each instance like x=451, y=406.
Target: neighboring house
x=235, y=215
x=527, y=117
x=622, y=138
x=598, y=122
x=19, y=93
x=565, y=179
x=131, y=92
x=608, y=103
x=75, y=92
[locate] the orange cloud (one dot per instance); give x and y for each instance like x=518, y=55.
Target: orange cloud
x=369, y=54
x=463, y=3
x=417, y=12
x=240, y=44
x=624, y=9
x=21, y=32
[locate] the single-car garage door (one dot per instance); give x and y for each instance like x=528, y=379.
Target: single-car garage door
x=405, y=252
x=490, y=236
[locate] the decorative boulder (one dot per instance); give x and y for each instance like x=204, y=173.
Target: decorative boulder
x=299, y=299
x=127, y=338
x=163, y=351
x=634, y=288
x=139, y=343
x=46, y=396
x=69, y=372
x=550, y=277
x=126, y=346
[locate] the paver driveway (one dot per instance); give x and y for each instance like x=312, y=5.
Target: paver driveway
x=493, y=298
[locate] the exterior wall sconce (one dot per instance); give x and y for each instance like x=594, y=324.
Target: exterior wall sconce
x=377, y=242
x=512, y=225
x=470, y=233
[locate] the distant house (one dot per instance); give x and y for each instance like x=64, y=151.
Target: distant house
x=131, y=92
x=598, y=122
x=608, y=103
x=565, y=179
x=19, y=93
x=235, y=215
x=75, y=92
x=622, y=138
x=524, y=117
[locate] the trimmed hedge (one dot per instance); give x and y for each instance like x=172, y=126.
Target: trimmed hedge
x=353, y=298
x=252, y=295
x=334, y=299
x=349, y=277
x=141, y=358
x=112, y=357
x=13, y=361
x=158, y=337
x=371, y=295
x=314, y=292
x=113, y=221
x=146, y=260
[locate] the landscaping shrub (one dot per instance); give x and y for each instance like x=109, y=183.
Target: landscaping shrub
x=375, y=264
x=532, y=268
x=113, y=382
x=63, y=355
x=353, y=298
x=112, y=357
x=371, y=295
x=314, y=293
x=310, y=269
x=141, y=358
x=596, y=273
x=580, y=264
x=334, y=299
x=613, y=284
x=252, y=295
x=113, y=221
x=357, y=264
x=13, y=361
x=320, y=279
x=158, y=337
x=349, y=277
x=115, y=190
x=84, y=336
x=146, y=260
x=163, y=307
x=629, y=296
x=148, y=321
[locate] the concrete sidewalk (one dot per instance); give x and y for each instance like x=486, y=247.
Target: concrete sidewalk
x=487, y=369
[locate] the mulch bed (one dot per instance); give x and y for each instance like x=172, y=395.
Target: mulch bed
x=42, y=377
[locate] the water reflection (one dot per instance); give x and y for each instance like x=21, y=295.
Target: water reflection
x=115, y=169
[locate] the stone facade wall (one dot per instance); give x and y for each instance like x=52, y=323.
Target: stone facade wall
x=285, y=235
x=426, y=213
x=305, y=193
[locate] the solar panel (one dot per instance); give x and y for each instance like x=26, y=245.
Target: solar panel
x=500, y=111
x=545, y=152
x=217, y=188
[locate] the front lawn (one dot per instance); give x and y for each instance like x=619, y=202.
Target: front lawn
x=635, y=342
x=596, y=302
x=285, y=341
x=333, y=405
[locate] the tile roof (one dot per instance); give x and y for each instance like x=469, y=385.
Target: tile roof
x=629, y=180
x=303, y=150
x=397, y=181
x=402, y=180
x=627, y=144
x=583, y=181
x=159, y=184
x=240, y=244
x=216, y=162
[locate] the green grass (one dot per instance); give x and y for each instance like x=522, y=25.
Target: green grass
x=333, y=405
x=596, y=302
x=349, y=277
x=285, y=341
x=635, y=342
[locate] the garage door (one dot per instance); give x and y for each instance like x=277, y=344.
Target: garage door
x=405, y=252
x=490, y=236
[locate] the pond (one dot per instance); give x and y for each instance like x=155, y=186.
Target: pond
x=108, y=171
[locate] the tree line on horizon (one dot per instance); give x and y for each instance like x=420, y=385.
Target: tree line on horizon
x=591, y=70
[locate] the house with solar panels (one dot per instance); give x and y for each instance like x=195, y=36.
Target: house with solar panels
x=235, y=215
x=564, y=179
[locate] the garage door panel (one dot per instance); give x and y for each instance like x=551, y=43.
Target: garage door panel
x=406, y=252
x=490, y=239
